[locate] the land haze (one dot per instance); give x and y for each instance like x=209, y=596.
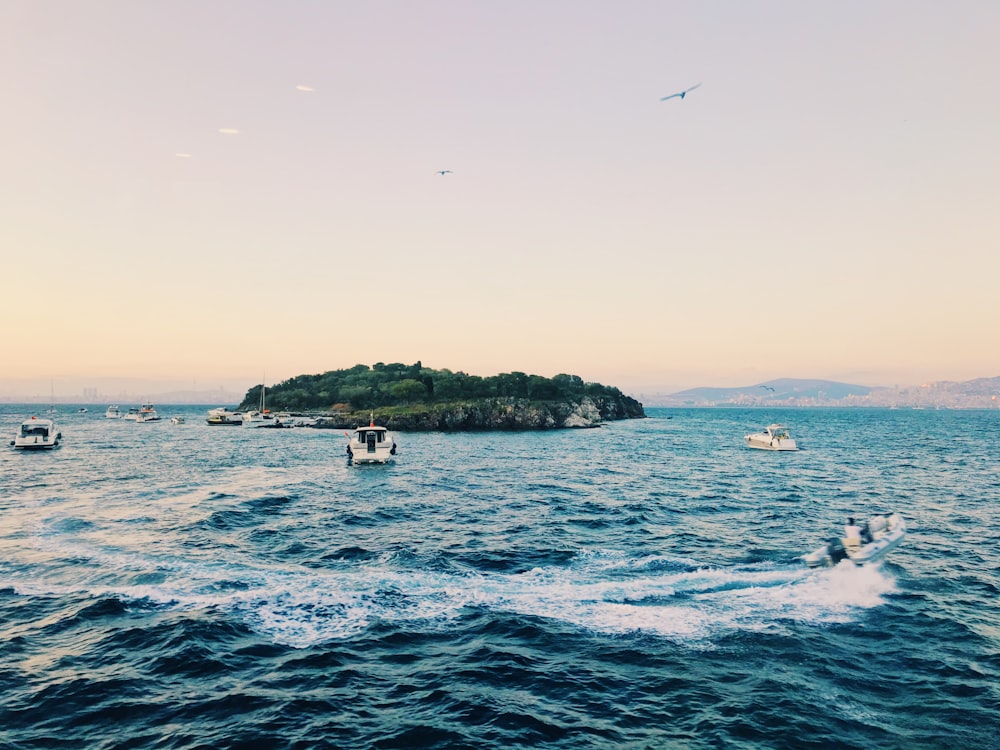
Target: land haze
x=981, y=393
x=978, y=393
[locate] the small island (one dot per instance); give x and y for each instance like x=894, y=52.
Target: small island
x=417, y=398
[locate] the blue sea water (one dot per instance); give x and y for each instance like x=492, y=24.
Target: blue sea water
x=634, y=586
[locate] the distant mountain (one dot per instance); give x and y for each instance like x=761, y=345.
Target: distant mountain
x=771, y=392
x=981, y=393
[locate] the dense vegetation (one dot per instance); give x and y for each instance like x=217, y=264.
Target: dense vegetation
x=394, y=385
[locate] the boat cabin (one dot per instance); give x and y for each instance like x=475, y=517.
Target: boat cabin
x=36, y=428
x=371, y=437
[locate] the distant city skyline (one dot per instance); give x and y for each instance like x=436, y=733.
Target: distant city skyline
x=224, y=192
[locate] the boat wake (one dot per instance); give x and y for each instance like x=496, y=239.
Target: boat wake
x=601, y=591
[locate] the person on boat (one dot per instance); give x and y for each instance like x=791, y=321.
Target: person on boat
x=852, y=532
x=866, y=533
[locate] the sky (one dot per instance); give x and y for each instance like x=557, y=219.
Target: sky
x=228, y=191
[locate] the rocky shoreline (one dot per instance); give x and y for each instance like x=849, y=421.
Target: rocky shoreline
x=493, y=414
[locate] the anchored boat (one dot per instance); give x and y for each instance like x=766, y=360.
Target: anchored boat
x=775, y=437
x=37, y=434
x=371, y=445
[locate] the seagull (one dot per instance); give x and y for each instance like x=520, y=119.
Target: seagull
x=768, y=388
x=444, y=172
x=682, y=94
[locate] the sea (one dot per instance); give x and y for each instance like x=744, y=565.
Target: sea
x=637, y=585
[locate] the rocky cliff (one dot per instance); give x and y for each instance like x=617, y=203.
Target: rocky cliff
x=495, y=414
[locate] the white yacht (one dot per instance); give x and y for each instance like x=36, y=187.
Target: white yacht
x=775, y=437
x=869, y=543
x=147, y=414
x=113, y=412
x=37, y=434
x=132, y=414
x=222, y=416
x=371, y=445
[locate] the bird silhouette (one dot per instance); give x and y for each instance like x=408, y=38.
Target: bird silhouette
x=444, y=172
x=767, y=387
x=681, y=94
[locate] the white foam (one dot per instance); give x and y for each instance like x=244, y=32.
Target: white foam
x=605, y=592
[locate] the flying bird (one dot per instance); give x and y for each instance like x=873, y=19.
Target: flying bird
x=681, y=94
x=767, y=387
x=444, y=172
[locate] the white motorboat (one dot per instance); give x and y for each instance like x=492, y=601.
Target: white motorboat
x=37, y=434
x=874, y=539
x=371, y=445
x=147, y=414
x=113, y=412
x=775, y=437
x=177, y=420
x=222, y=416
x=132, y=414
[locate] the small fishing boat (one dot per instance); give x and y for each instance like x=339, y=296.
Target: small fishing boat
x=861, y=545
x=36, y=434
x=371, y=445
x=775, y=437
x=113, y=412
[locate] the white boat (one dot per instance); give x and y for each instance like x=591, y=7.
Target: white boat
x=222, y=416
x=371, y=445
x=36, y=434
x=875, y=539
x=147, y=414
x=288, y=419
x=177, y=420
x=132, y=415
x=775, y=437
x=113, y=412
x=260, y=417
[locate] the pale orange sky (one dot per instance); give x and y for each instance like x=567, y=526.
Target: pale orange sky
x=823, y=206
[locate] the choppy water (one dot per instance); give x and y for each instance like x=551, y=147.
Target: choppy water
x=187, y=586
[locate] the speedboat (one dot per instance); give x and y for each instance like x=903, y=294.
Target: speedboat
x=222, y=416
x=147, y=414
x=132, y=415
x=37, y=434
x=113, y=412
x=878, y=536
x=371, y=445
x=177, y=420
x=775, y=437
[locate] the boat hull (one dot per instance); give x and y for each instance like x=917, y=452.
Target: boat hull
x=37, y=444
x=768, y=443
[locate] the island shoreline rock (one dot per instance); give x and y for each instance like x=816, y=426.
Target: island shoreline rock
x=495, y=414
